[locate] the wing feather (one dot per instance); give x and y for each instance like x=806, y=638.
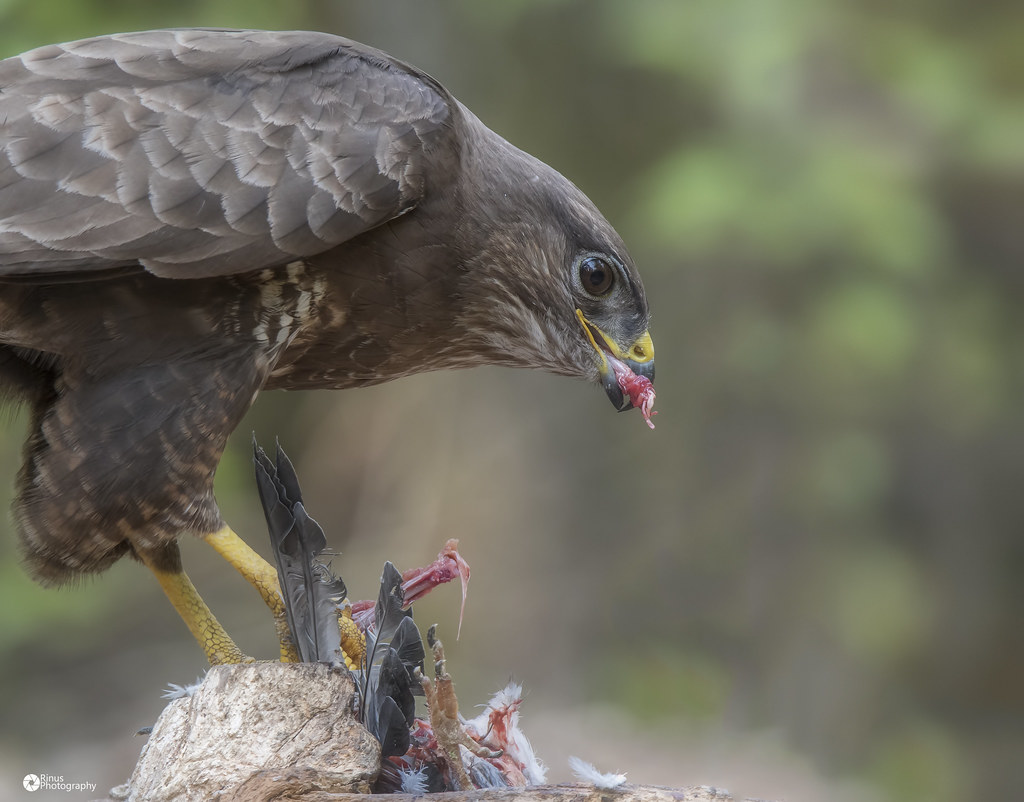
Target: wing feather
x=206, y=152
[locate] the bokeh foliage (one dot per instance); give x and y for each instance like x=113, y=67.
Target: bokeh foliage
x=824, y=535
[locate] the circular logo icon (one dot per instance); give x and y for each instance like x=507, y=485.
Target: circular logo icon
x=31, y=782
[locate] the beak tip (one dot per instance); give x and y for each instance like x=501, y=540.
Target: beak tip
x=618, y=398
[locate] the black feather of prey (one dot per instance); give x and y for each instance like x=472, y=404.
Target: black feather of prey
x=312, y=593
x=393, y=650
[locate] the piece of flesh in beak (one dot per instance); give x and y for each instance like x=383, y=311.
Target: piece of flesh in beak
x=627, y=376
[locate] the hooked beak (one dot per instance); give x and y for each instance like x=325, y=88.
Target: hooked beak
x=638, y=358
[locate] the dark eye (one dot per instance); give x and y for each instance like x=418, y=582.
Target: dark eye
x=596, y=275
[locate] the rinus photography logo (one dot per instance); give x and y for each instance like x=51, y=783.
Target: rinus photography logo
x=54, y=782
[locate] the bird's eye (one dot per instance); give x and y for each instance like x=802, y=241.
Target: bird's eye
x=596, y=275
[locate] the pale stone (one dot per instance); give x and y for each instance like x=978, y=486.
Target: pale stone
x=253, y=728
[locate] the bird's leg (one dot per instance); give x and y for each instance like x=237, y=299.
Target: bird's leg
x=353, y=641
x=262, y=576
x=445, y=721
x=204, y=626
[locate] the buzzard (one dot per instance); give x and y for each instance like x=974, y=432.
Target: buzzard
x=188, y=217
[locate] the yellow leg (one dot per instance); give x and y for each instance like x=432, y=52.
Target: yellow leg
x=353, y=643
x=201, y=622
x=262, y=576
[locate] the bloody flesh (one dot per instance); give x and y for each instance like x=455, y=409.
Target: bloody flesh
x=638, y=388
x=418, y=582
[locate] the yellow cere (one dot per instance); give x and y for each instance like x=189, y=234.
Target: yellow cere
x=643, y=349
x=640, y=351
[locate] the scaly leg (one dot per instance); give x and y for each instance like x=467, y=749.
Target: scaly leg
x=204, y=626
x=262, y=576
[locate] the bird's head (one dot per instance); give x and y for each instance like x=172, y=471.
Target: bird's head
x=548, y=282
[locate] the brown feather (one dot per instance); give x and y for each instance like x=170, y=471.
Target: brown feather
x=187, y=217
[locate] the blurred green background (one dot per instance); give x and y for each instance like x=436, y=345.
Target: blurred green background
x=808, y=583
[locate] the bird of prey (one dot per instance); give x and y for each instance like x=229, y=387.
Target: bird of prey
x=188, y=217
